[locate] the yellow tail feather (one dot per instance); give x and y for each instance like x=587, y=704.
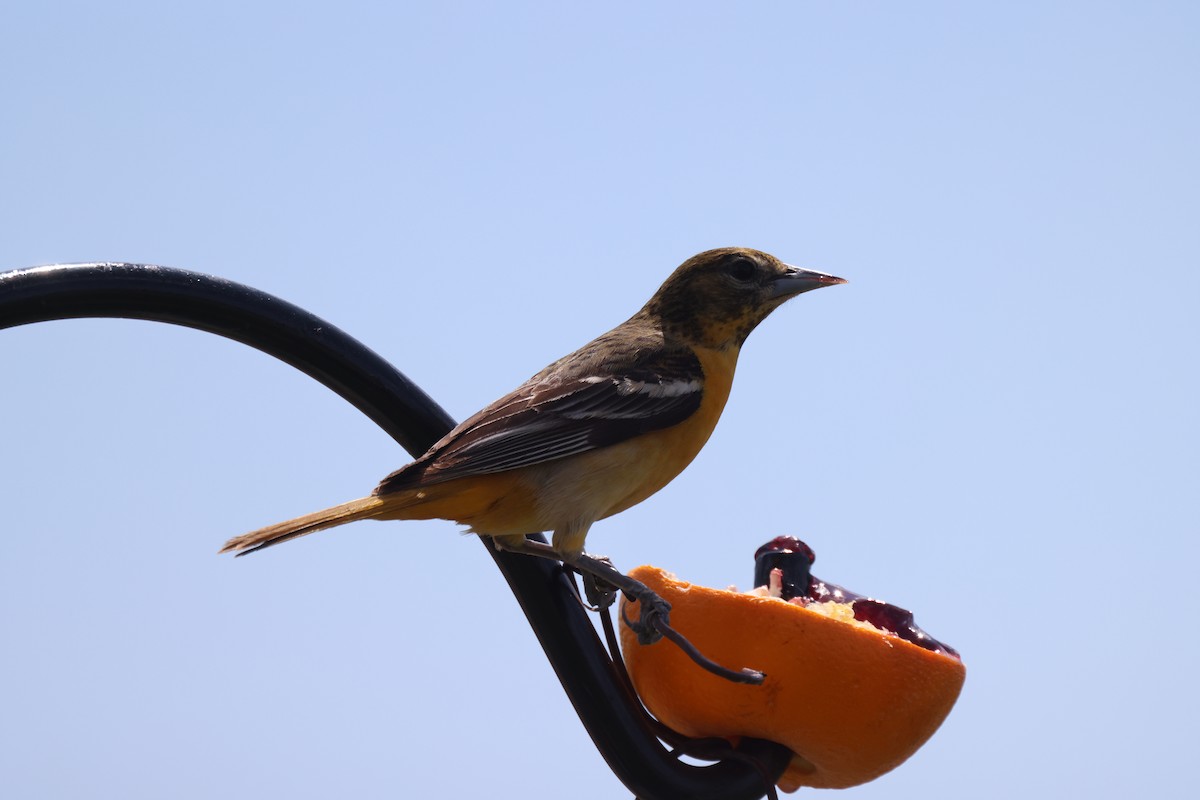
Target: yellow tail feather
x=364, y=508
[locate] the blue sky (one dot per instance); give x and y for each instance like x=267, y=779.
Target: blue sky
x=993, y=424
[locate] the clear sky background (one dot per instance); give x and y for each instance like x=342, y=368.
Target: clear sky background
x=994, y=423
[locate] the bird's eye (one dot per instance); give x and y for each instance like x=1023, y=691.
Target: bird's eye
x=741, y=269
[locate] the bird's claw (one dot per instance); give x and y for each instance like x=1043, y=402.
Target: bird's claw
x=600, y=594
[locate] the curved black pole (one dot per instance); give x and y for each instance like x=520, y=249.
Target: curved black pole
x=612, y=715
x=238, y=312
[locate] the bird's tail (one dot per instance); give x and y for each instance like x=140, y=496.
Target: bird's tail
x=365, y=508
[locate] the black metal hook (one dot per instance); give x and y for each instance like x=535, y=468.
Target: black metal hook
x=610, y=712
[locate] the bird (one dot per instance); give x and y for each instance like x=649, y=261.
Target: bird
x=595, y=432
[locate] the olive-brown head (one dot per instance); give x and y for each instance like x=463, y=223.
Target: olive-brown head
x=715, y=298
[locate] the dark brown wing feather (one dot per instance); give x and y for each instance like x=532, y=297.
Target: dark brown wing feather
x=578, y=404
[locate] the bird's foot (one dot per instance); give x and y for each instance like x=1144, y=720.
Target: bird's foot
x=599, y=593
x=654, y=613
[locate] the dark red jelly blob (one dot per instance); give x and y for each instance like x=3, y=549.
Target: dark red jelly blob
x=789, y=555
x=898, y=621
x=794, y=558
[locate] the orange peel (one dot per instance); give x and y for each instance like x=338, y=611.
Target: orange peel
x=851, y=701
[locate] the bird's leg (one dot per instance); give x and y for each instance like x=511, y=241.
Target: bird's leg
x=655, y=612
x=654, y=617
x=653, y=608
x=653, y=621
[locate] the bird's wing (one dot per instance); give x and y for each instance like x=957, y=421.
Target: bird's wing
x=554, y=418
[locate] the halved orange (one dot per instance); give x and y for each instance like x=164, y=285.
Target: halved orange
x=851, y=702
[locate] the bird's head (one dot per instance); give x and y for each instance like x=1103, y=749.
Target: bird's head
x=717, y=297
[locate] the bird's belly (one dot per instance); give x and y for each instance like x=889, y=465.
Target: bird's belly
x=603, y=482
x=569, y=493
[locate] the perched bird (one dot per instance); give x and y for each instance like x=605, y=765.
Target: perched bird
x=595, y=432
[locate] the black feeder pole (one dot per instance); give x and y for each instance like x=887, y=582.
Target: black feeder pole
x=620, y=728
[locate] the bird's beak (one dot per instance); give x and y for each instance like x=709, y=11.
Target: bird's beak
x=797, y=280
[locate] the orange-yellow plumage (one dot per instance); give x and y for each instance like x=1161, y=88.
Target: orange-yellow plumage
x=597, y=431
